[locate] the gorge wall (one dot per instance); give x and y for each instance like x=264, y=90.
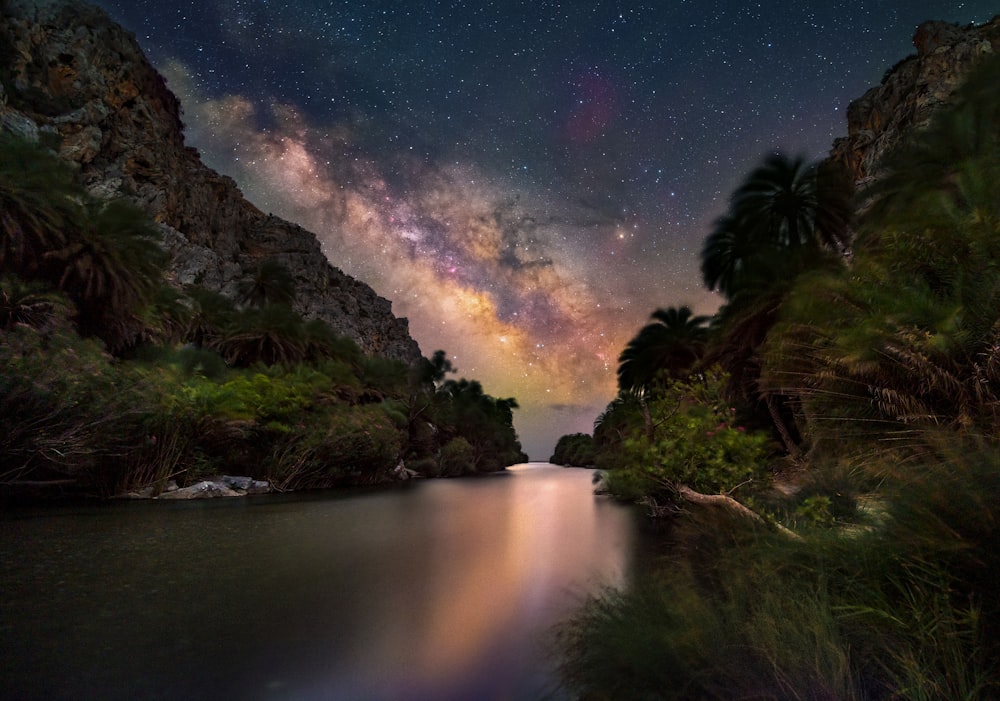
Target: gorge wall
x=910, y=92
x=79, y=83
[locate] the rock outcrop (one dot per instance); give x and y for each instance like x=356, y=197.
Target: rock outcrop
x=225, y=486
x=910, y=93
x=79, y=83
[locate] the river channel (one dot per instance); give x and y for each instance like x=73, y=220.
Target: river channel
x=435, y=591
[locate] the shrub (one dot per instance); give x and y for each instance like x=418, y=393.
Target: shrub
x=457, y=458
x=696, y=446
x=360, y=445
x=574, y=450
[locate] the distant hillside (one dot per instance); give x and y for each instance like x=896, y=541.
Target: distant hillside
x=79, y=83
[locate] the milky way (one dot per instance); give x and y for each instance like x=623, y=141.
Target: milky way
x=525, y=182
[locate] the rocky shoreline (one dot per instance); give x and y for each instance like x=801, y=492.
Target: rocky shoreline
x=230, y=486
x=224, y=486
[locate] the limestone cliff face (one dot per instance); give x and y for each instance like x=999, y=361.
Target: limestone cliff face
x=78, y=82
x=910, y=92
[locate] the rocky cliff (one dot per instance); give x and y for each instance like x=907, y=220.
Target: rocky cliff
x=910, y=92
x=79, y=83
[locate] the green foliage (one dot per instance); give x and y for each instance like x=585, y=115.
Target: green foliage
x=79, y=419
x=696, y=443
x=574, y=450
x=907, y=339
x=700, y=448
x=457, y=458
x=271, y=401
x=69, y=414
x=905, y=609
x=815, y=511
x=355, y=446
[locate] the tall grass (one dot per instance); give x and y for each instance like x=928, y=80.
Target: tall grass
x=904, y=610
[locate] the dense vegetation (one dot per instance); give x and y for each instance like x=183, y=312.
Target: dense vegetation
x=856, y=359
x=574, y=450
x=112, y=380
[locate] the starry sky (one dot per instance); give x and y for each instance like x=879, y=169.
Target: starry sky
x=525, y=181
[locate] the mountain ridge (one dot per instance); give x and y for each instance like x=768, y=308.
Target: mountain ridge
x=73, y=79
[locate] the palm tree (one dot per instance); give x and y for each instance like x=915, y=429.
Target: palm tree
x=730, y=255
x=788, y=217
x=168, y=316
x=783, y=206
x=37, y=200
x=270, y=335
x=794, y=203
x=670, y=346
x=111, y=267
x=664, y=350
x=31, y=304
x=271, y=283
x=211, y=314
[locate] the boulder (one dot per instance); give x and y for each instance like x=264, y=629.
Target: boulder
x=246, y=485
x=201, y=490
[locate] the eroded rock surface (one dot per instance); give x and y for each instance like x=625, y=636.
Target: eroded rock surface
x=910, y=93
x=79, y=83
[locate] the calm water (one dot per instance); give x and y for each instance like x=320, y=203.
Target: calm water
x=441, y=590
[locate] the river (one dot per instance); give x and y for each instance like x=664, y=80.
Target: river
x=435, y=591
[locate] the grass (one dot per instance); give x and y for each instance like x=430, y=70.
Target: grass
x=903, y=608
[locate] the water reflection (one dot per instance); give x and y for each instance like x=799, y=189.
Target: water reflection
x=445, y=590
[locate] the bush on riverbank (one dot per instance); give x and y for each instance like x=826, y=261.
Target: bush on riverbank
x=684, y=435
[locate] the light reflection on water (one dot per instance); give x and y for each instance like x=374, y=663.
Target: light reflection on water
x=446, y=589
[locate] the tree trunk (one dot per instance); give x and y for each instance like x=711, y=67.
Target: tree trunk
x=647, y=418
x=779, y=424
x=727, y=502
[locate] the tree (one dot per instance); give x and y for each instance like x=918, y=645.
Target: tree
x=784, y=205
x=211, y=314
x=38, y=199
x=271, y=283
x=574, y=450
x=464, y=410
x=671, y=346
x=111, y=267
x=786, y=218
x=270, y=335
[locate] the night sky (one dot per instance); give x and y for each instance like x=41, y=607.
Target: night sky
x=525, y=181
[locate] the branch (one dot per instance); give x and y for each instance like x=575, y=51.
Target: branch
x=727, y=502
